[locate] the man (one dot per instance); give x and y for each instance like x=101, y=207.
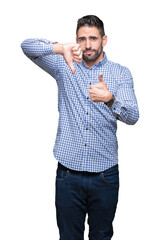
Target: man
x=93, y=93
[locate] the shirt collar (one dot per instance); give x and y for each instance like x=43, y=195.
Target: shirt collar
x=100, y=63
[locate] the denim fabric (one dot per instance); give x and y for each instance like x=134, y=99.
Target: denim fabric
x=78, y=193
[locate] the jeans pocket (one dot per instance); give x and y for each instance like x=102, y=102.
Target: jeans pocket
x=110, y=177
x=61, y=175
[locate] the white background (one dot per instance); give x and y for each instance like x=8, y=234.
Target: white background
x=29, y=115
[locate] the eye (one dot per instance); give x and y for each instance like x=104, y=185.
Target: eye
x=80, y=40
x=93, y=38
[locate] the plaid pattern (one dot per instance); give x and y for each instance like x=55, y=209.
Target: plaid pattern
x=86, y=136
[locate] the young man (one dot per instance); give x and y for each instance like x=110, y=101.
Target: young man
x=93, y=93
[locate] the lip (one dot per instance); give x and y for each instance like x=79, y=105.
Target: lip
x=88, y=52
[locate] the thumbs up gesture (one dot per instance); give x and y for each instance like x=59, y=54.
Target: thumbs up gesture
x=99, y=92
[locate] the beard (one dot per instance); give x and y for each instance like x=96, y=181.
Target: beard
x=92, y=57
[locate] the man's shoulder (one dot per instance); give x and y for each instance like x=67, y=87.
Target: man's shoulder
x=116, y=68
x=119, y=71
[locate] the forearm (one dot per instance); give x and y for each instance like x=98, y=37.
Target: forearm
x=34, y=48
x=126, y=112
x=125, y=105
x=40, y=51
x=45, y=53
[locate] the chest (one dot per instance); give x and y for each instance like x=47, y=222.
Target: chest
x=80, y=82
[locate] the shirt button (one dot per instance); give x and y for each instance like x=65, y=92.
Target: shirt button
x=87, y=97
x=85, y=145
x=90, y=83
x=86, y=128
x=87, y=113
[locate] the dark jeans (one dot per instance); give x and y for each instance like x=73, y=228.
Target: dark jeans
x=78, y=193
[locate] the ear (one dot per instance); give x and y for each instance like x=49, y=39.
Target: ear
x=104, y=40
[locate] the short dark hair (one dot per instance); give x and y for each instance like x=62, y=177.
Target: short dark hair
x=91, y=21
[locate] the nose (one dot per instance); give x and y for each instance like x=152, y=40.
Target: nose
x=88, y=44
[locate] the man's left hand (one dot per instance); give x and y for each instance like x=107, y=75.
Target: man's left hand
x=99, y=92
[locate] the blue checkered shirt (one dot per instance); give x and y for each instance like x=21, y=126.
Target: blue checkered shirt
x=86, y=136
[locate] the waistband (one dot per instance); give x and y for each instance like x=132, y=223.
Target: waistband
x=60, y=166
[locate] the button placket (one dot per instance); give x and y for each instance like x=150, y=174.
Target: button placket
x=86, y=117
x=87, y=110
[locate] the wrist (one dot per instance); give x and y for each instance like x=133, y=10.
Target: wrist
x=108, y=97
x=58, y=48
x=111, y=101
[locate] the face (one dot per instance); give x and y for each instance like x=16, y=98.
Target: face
x=91, y=44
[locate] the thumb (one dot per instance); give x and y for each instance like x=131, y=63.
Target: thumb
x=72, y=68
x=101, y=78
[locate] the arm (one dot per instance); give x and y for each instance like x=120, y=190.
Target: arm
x=125, y=106
x=41, y=53
x=45, y=53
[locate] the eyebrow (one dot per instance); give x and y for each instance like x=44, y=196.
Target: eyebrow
x=83, y=37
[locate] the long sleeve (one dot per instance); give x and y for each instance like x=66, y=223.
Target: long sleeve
x=125, y=105
x=41, y=53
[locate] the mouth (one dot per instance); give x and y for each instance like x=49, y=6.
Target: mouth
x=88, y=52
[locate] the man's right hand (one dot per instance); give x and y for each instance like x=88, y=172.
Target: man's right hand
x=71, y=53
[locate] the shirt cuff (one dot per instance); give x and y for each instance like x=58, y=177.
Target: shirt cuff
x=50, y=47
x=118, y=109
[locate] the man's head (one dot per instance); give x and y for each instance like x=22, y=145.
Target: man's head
x=91, y=21
x=92, y=38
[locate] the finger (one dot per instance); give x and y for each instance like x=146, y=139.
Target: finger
x=92, y=97
x=77, y=56
x=77, y=59
x=101, y=77
x=97, y=85
x=72, y=68
x=76, y=47
x=77, y=52
x=92, y=86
